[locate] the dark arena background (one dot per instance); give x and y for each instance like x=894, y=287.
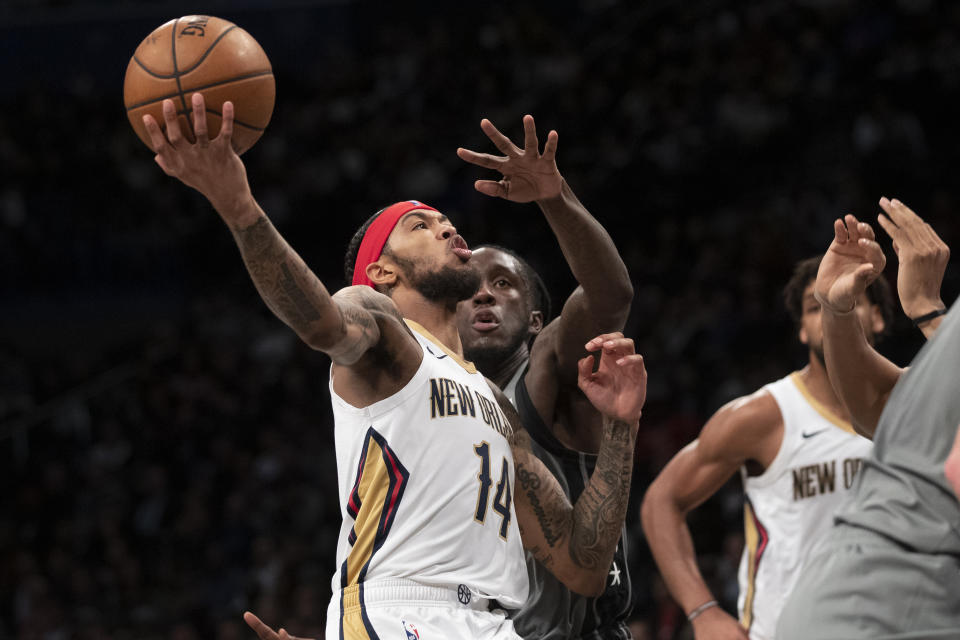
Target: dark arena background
x=166, y=450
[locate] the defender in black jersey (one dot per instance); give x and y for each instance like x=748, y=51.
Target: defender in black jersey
x=506, y=331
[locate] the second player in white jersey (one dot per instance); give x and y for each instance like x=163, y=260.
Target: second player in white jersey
x=790, y=506
x=426, y=482
x=793, y=446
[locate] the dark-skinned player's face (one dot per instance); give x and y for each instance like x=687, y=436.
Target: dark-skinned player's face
x=497, y=319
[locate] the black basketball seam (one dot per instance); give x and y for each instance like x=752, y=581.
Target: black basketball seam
x=176, y=73
x=163, y=76
x=256, y=74
x=209, y=49
x=160, y=76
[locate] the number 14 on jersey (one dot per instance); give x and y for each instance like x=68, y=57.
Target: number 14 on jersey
x=503, y=498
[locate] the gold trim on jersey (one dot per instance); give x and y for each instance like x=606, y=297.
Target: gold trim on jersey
x=373, y=487
x=352, y=624
x=416, y=326
x=819, y=407
x=755, y=539
x=373, y=504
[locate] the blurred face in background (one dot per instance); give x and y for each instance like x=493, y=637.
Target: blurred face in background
x=811, y=321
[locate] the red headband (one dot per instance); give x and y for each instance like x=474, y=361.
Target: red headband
x=376, y=237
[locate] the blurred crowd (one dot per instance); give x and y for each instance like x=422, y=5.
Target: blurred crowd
x=166, y=444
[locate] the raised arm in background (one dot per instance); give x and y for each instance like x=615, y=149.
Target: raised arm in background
x=602, y=298
x=923, y=258
x=861, y=377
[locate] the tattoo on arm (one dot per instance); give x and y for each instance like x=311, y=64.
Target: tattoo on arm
x=361, y=331
x=285, y=283
x=599, y=512
x=530, y=484
x=591, y=528
x=296, y=295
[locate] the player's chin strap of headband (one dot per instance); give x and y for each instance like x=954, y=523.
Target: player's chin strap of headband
x=376, y=237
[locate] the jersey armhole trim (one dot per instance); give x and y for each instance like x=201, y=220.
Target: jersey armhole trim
x=819, y=407
x=417, y=327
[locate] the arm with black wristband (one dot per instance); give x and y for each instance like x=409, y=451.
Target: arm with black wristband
x=923, y=258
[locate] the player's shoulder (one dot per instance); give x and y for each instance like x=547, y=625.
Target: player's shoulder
x=757, y=407
x=544, y=346
x=369, y=299
x=744, y=422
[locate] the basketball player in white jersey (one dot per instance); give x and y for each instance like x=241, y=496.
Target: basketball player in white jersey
x=436, y=476
x=890, y=566
x=797, y=455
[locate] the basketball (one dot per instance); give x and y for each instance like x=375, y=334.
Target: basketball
x=205, y=54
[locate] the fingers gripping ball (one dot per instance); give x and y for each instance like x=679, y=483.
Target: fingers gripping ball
x=205, y=54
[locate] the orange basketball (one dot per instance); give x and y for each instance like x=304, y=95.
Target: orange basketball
x=205, y=54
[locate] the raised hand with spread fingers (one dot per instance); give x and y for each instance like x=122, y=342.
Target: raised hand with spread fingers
x=923, y=258
x=528, y=175
x=852, y=262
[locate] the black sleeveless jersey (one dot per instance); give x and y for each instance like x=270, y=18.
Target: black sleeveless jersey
x=552, y=611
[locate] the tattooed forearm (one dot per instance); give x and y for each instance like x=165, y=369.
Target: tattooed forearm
x=599, y=512
x=285, y=283
x=530, y=484
x=308, y=311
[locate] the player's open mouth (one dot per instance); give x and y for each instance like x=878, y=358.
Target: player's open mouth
x=459, y=247
x=484, y=321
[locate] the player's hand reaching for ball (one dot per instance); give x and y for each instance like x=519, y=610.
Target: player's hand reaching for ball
x=618, y=388
x=527, y=174
x=853, y=261
x=212, y=167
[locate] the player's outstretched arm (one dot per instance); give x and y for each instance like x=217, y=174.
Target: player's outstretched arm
x=264, y=632
x=602, y=301
x=861, y=377
x=747, y=428
x=577, y=542
x=288, y=287
x=923, y=258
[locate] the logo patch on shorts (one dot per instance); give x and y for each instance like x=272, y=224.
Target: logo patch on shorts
x=411, y=631
x=463, y=594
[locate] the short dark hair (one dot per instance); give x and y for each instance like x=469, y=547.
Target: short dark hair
x=805, y=272
x=537, y=292
x=350, y=259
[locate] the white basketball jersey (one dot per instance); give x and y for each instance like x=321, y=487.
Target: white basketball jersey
x=426, y=485
x=790, y=507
